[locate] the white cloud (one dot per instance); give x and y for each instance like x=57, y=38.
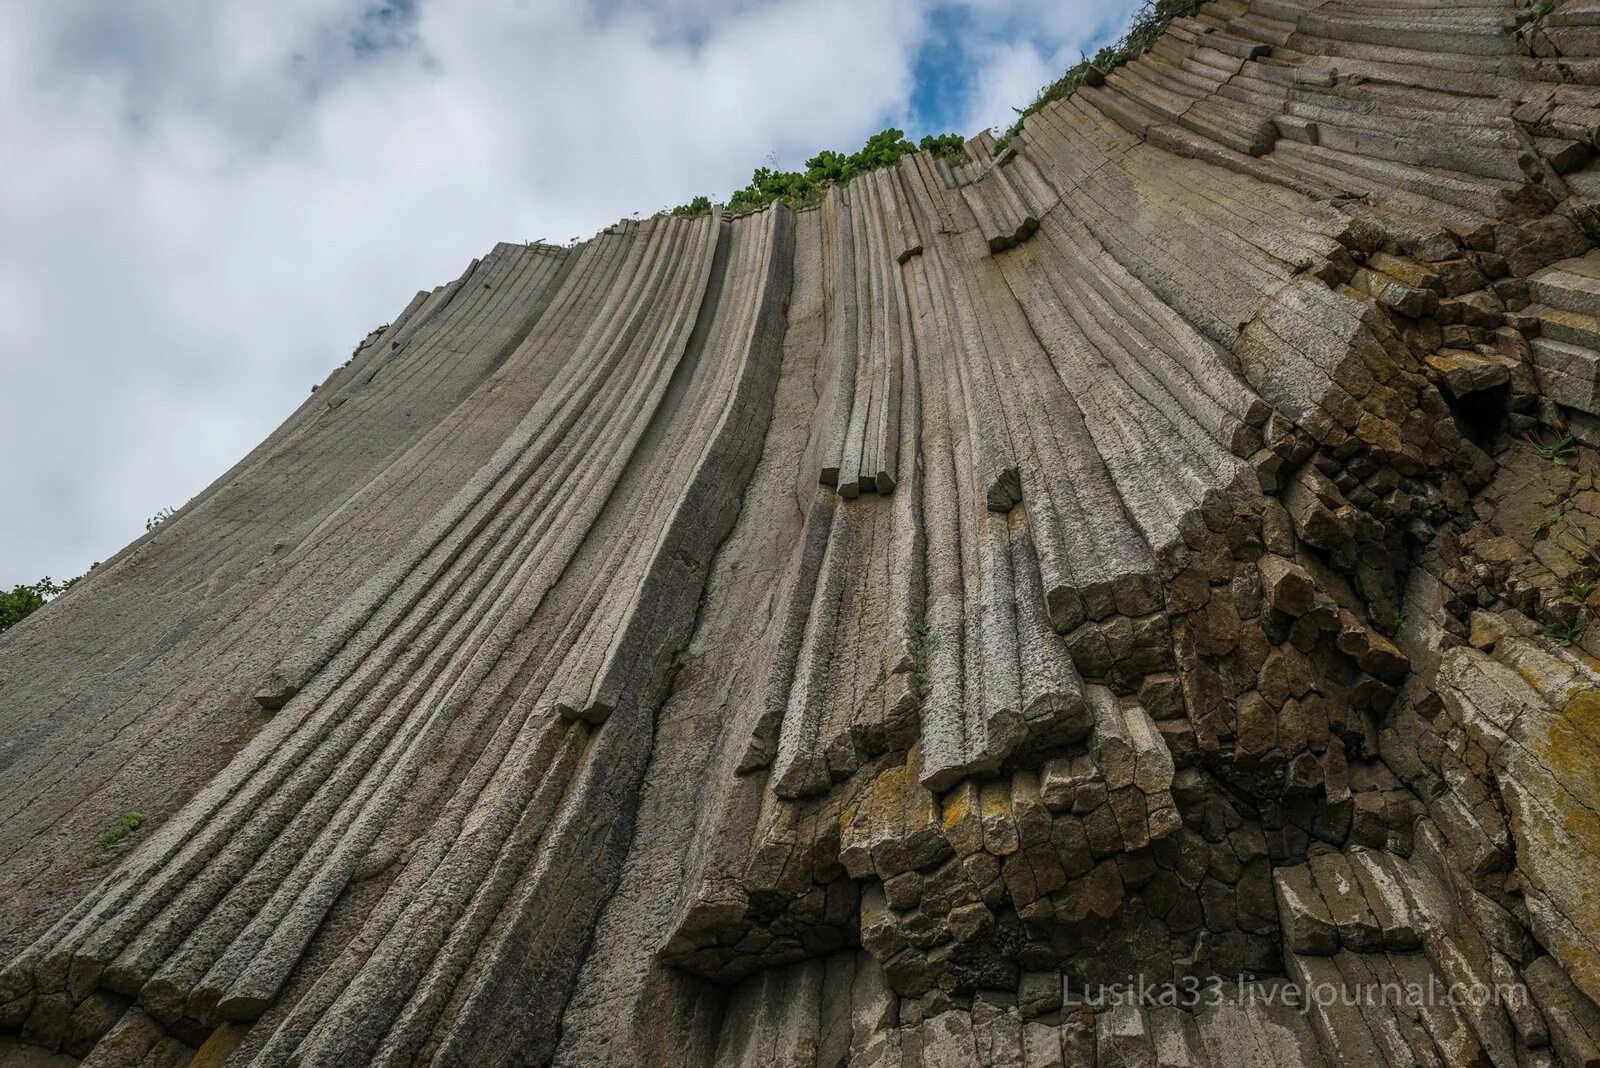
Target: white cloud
x=1027, y=45
x=207, y=203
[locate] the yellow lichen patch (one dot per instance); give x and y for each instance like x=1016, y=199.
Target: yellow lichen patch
x=1550, y=676
x=958, y=807
x=219, y=1045
x=1579, y=822
x=1574, y=766
x=1569, y=745
x=1583, y=713
x=999, y=828
x=960, y=821
x=889, y=798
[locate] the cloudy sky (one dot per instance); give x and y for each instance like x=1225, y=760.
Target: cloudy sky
x=205, y=204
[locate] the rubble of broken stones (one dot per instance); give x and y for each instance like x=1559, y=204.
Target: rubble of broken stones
x=1299, y=768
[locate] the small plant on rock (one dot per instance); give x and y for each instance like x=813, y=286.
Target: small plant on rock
x=1559, y=451
x=126, y=824
x=1564, y=634
x=1582, y=547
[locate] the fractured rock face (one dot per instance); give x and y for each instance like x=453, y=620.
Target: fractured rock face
x=1121, y=600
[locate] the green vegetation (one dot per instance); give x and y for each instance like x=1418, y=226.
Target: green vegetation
x=1558, y=451
x=126, y=824
x=1580, y=589
x=1562, y=634
x=697, y=206
x=952, y=148
x=800, y=188
x=1148, y=24
x=1541, y=528
x=21, y=601
x=1582, y=548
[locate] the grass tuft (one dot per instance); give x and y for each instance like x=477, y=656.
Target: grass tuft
x=1541, y=528
x=1558, y=451
x=126, y=824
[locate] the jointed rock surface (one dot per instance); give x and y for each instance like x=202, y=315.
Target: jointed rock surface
x=1164, y=550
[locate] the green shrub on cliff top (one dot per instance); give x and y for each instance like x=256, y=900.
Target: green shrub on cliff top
x=697, y=206
x=21, y=601
x=799, y=188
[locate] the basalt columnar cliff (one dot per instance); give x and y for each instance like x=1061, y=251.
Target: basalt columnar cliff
x=1162, y=549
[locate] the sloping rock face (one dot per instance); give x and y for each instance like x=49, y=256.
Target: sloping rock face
x=880, y=633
